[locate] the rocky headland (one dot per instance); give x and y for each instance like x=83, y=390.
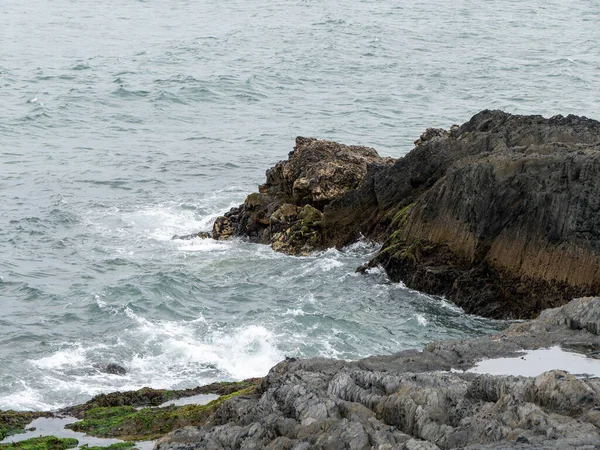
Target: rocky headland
x=501, y=215
x=420, y=399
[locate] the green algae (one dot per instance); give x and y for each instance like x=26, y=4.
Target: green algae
x=14, y=422
x=154, y=397
x=131, y=424
x=396, y=244
x=401, y=216
x=117, y=446
x=41, y=443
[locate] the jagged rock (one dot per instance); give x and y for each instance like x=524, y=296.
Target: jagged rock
x=412, y=400
x=500, y=215
x=187, y=237
x=511, y=224
x=287, y=211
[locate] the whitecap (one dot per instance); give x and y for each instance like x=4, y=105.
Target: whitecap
x=72, y=356
x=294, y=312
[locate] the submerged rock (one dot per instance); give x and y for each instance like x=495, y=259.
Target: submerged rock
x=500, y=215
x=419, y=399
x=115, y=369
x=187, y=237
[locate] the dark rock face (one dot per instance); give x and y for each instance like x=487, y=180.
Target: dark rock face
x=412, y=400
x=501, y=214
x=115, y=369
x=511, y=225
x=287, y=212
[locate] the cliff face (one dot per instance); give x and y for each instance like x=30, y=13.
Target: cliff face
x=501, y=214
x=513, y=224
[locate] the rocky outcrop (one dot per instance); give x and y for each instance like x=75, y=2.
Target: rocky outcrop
x=420, y=399
x=287, y=211
x=511, y=225
x=501, y=214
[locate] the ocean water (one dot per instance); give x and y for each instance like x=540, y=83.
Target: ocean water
x=125, y=122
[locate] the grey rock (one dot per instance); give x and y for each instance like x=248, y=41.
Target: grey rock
x=187, y=237
x=287, y=211
x=420, y=399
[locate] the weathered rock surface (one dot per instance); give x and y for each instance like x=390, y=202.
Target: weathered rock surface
x=501, y=214
x=419, y=399
x=512, y=224
x=287, y=211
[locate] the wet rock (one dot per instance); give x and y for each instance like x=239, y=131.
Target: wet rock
x=146, y=396
x=508, y=223
x=115, y=369
x=419, y=400
x=14, y=422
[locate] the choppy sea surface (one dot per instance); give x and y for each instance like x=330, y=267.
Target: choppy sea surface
x=124, y=122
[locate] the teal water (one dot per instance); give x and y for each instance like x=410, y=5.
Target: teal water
x=123, y=123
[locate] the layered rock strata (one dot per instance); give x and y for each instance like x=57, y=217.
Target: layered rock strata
x=420, y=399
x=501, y=214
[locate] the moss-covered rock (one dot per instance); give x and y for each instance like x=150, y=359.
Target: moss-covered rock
x=41, y=443
x=154, y=397
x=13, y=422
x=131, y=424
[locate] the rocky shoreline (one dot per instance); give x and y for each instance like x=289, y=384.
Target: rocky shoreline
x=414, y=400
x=501, y=215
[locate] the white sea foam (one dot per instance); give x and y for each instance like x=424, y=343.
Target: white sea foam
x=162, y=222
x=246, y=352
x=204, y=245
x=327, y=264
x=294, y=312
x=25, y=399
x=71, y=356
x=169, y=354
x=422, y=320
x=157, y=221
